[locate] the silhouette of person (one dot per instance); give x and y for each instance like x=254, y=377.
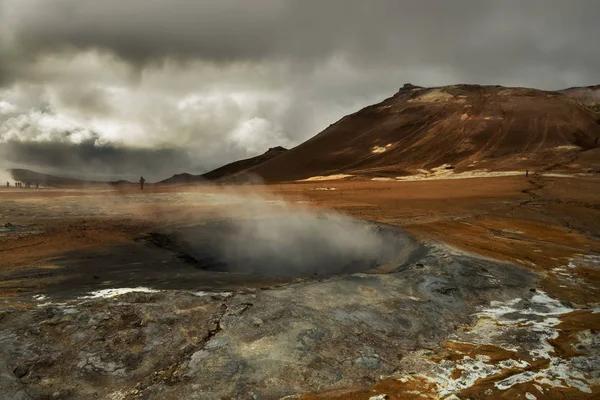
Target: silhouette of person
x=37, y=185
x=526, y=173
x=142, y=180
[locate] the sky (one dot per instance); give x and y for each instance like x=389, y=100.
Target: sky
x=123, y=88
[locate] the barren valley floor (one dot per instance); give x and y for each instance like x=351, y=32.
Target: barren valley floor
x=497, y=297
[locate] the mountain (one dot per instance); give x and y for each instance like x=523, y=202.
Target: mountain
x=461, y=127
x=228, y=170
x=26, y=175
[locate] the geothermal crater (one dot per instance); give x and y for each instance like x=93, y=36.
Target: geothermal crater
x=291, y=245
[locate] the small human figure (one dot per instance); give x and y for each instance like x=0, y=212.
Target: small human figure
x=526, y=173
x=7, y=184
x=142, y=180
x=37, y=185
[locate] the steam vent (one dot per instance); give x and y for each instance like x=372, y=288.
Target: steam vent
x=290, y=245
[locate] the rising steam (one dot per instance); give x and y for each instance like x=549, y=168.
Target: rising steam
x=284, y=240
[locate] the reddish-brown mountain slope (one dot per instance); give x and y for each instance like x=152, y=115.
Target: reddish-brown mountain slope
x=469, y=127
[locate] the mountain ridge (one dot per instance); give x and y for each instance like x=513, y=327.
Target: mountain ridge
x=465, y=127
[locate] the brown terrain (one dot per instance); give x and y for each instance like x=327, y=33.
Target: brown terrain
x=466, y=127
x=495, y=297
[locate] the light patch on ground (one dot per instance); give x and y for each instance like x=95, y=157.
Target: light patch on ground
x=434, y=96
x=569, y=274
x=325, y=188
x=565, y=148
x=513, y=231
x=442, y=172
x=381, y=149
x=204, y=294
x=494, y=118
x=471, y=371
x=535, y=320
x=325, y=177
x=108, y=293
x=559, y=175
x=383, y=179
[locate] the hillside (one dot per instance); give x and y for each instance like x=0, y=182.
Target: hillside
x=463, y=128
x=227, y=170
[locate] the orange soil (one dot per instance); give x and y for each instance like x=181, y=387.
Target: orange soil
x=540, y=223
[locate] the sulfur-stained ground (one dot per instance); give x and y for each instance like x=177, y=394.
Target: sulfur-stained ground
x=497, y=297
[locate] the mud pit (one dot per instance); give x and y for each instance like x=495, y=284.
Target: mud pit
x=292, y=245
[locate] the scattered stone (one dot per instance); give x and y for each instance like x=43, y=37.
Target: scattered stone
x=20, y=371
x=238, y=309
x=8, y=225
x=447, y=291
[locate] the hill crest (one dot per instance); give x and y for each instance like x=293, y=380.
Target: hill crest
x=464, y=127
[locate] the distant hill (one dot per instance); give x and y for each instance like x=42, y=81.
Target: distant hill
x=228, y=170
x=26, y=175
x=462, y=127
x=589, y=96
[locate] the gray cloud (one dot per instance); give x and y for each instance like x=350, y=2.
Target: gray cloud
x=89, y=160
x=406, y=32
x=225, y=79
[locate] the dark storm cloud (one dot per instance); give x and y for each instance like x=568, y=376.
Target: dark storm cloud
x=487, y=37
x=92, y=161
x=227, y=79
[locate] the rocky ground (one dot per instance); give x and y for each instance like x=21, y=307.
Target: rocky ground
x=496, y=296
